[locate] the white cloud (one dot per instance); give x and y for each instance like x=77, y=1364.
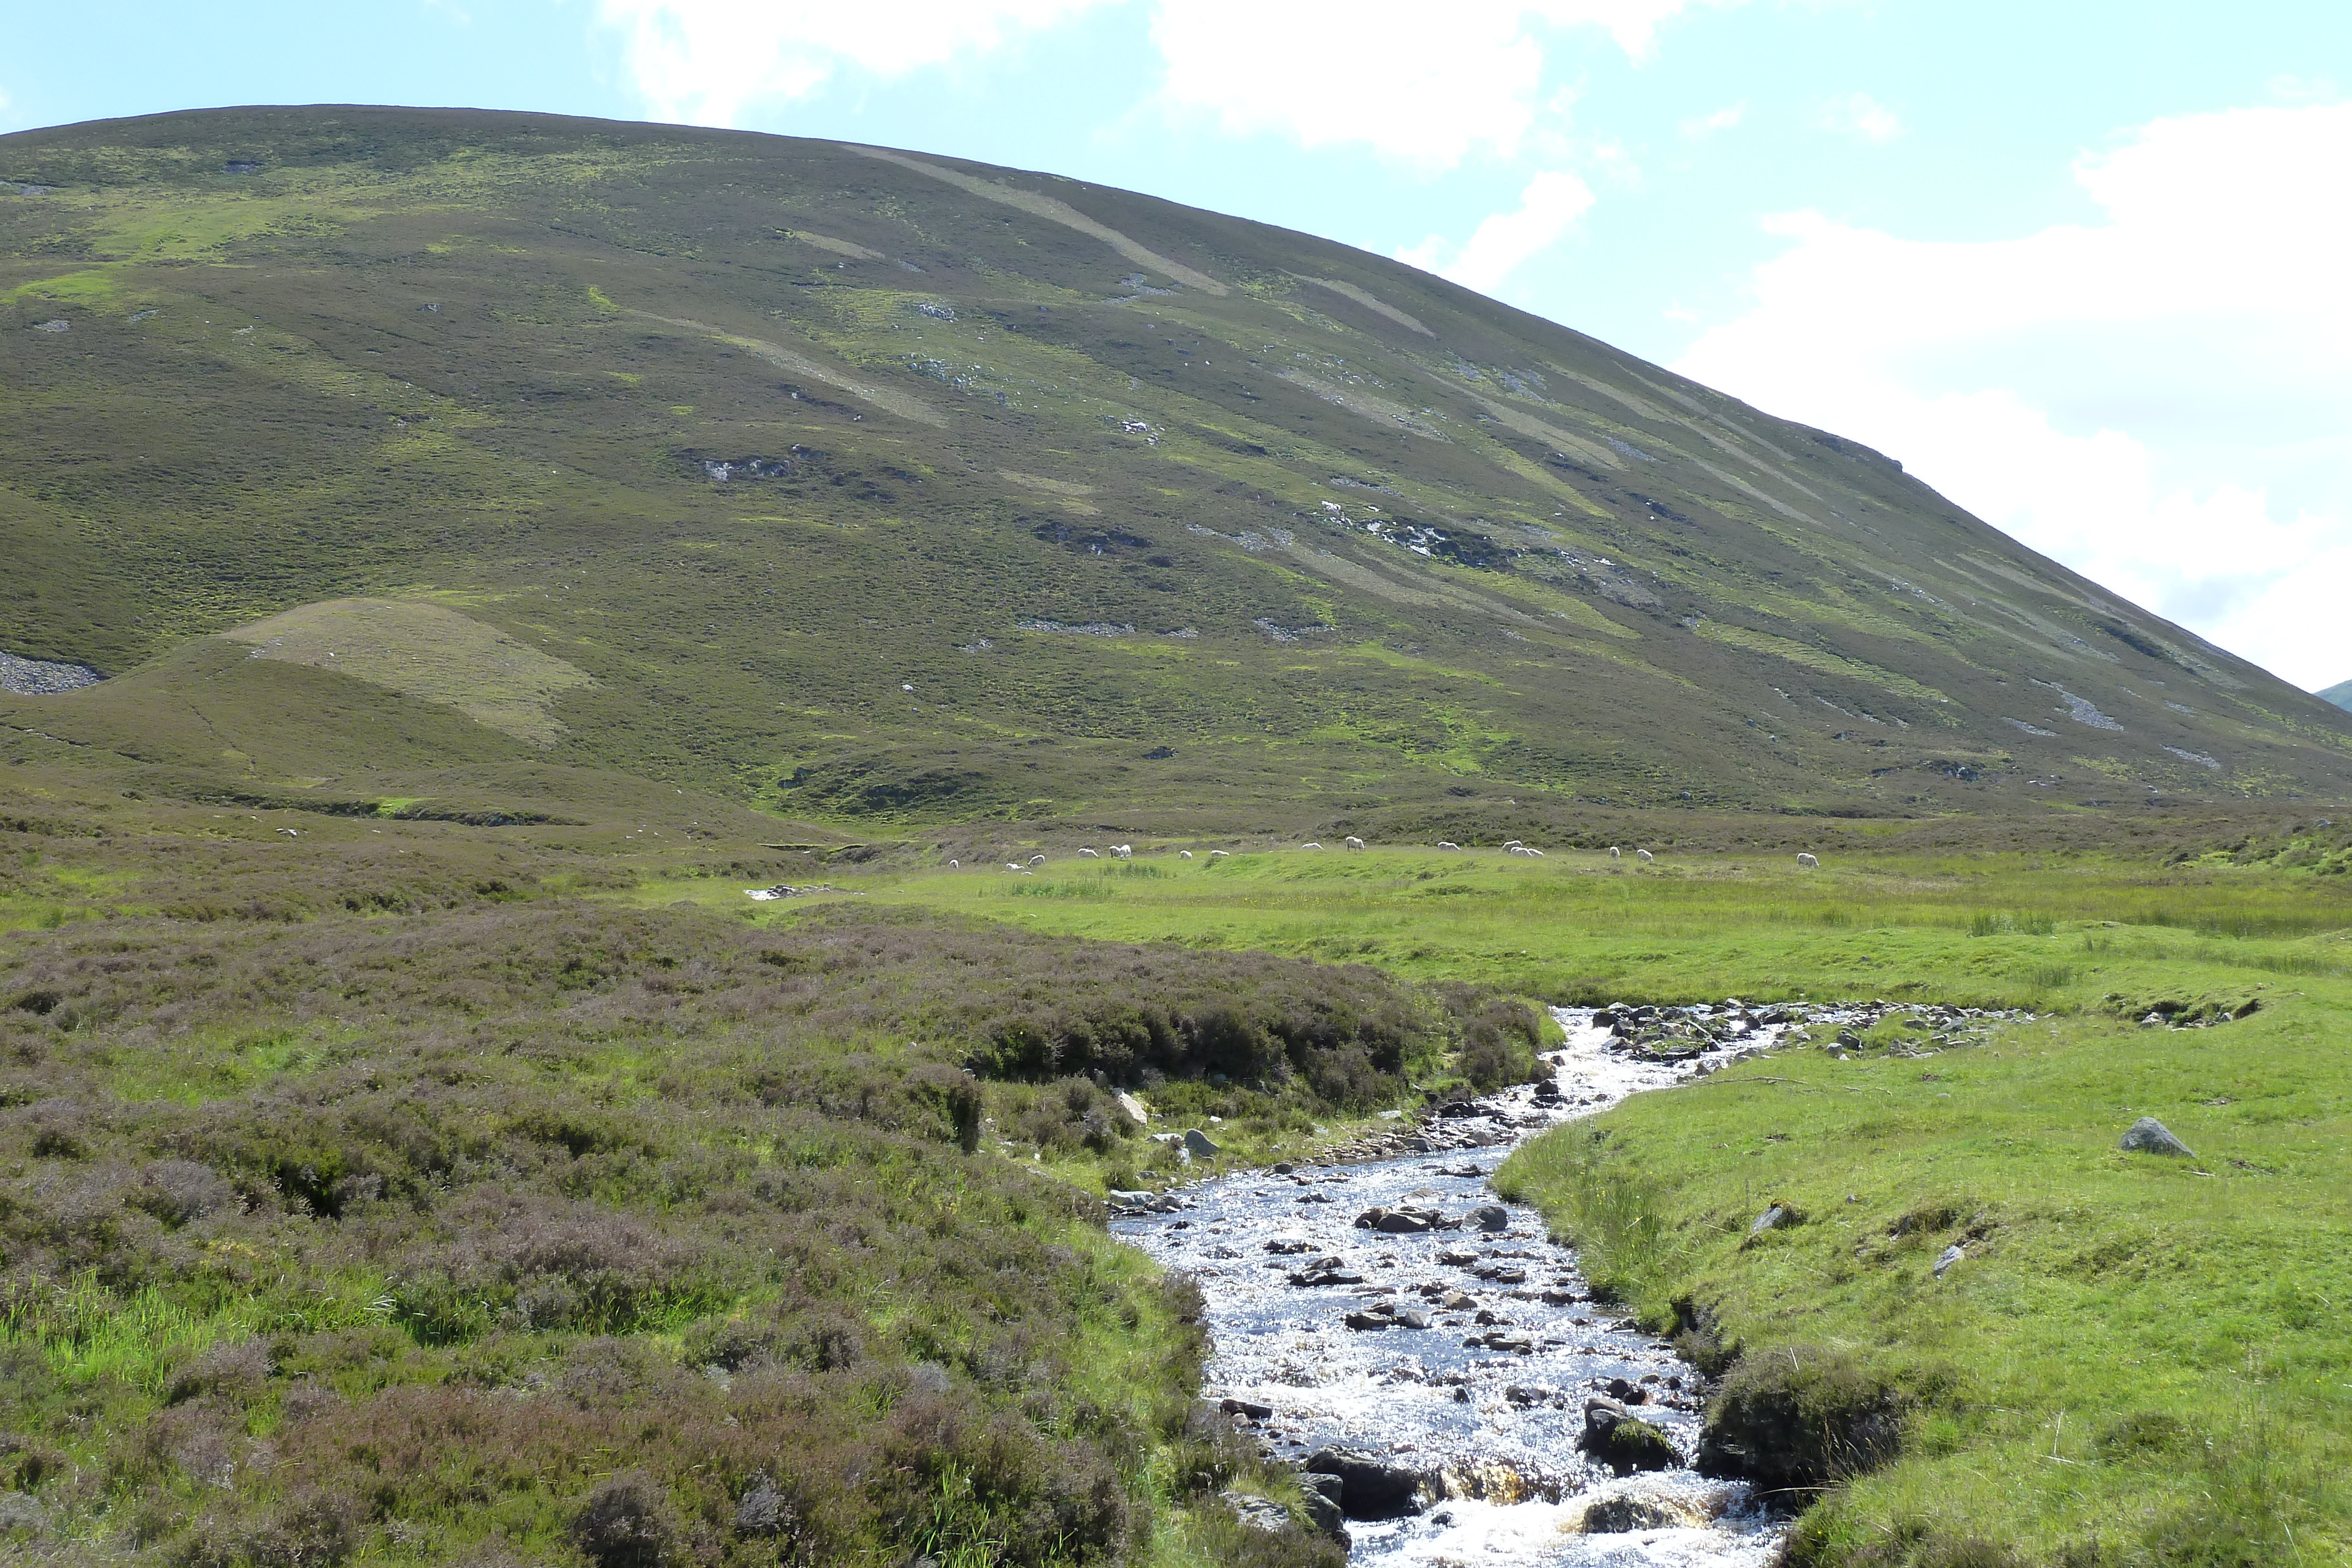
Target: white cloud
x=2161, y=400
x=1859, y=114
x=706, y=61
x=1425, y=85
x=1552, y=201
x=1723, y=119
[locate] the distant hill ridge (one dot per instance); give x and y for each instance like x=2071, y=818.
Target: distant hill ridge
x=863, y=483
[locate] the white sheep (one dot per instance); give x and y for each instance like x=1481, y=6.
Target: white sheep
x=1643, y=855
x=1014, y=865
x=1310, y=846
x=1089, y=855
x=1613, y=853
x=1355, y=843
x=1510, y=843
x=1124, y=851
x=1220, y=854
x=1183, y=854
x=1036, y=860
x=955, y=866
x=1447, y=845
x=1805, y=859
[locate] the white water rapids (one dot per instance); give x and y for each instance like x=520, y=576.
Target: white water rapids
x=1499, y=1418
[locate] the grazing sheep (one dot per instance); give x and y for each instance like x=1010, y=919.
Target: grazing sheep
x=1124, y=851
x=1220, y=854
x=1447, y=845
x=1036, y=860
x=955, y=866
x=1183, y=854
x=1805, y=859
x=1089, y=855
x=1531, y=850
x=1310, y=846
x=1510, y=843
x=1014, y=865
x=1643, y=855
x=1613, y=855
x=1355, y=843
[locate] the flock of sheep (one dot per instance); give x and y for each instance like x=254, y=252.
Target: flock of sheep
x=1510, y=846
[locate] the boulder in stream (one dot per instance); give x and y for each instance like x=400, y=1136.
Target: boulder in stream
x=1369, y=1486
x=1491, y=1217
x=1622, y=1515
x=1622, y=1440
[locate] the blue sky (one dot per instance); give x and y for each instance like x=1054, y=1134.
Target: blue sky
x=2079, y=264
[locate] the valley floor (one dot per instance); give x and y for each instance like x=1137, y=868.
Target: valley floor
x=416, y=1191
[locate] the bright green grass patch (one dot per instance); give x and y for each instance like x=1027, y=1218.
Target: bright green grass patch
x=2135, y=1354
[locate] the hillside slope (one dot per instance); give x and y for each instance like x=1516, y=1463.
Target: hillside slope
x=861, y=483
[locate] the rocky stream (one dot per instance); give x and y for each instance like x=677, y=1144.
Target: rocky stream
x=1436, y=1367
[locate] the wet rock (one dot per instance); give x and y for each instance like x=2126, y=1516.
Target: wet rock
x=1491, y=1217
x=1326, y=1271
x=1146, y=1202
x=1248, y=1410
x=1952, y=1255
x=1779, y=1217
x=1627, y=1393
x=1199, y=1145
x=1457, y=1257
x=1496, y=1482
x=2149, y=1136
x=1289, y=1244
x=1617, y=1438
x=1622, y=1515
x=1457, y=1301
x=1369, y=1486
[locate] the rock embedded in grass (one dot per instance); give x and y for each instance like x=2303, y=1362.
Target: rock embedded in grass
x=2149, y=1136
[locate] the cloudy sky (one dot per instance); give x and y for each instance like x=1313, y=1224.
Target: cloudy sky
x=2080, y=264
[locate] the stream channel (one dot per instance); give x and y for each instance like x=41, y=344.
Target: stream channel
x=1488, y=1400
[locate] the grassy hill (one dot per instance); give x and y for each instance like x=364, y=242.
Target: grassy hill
x=452, y=557
x=863, y=485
